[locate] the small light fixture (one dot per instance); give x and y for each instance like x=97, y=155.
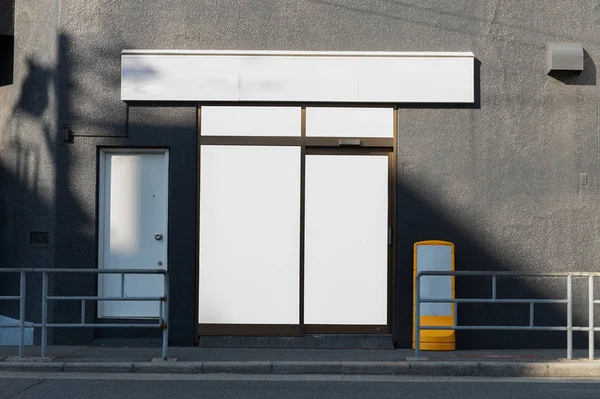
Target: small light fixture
x=66, y=132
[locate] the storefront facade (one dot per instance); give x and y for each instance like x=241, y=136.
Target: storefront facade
x=283, y=183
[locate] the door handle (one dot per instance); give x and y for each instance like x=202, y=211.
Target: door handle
x=158, y=236
x=350, y=142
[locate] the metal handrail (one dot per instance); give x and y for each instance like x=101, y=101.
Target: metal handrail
x=569, y=328
x=163, y=319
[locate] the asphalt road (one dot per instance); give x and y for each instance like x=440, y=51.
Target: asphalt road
x=131, y=386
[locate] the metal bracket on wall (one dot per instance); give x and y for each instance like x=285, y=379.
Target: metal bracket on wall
x=67, y=133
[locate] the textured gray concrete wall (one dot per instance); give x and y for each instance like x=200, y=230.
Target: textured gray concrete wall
x=500, y=179
x=28, y=120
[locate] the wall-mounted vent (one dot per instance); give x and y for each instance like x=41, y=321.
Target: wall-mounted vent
x=566, y=57
x=39, y=238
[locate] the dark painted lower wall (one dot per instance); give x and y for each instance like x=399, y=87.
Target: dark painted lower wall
x=172, y=127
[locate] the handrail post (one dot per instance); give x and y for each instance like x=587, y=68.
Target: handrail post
x=22, y=313
x=455, y=309
x=122, y=285
x=418, y=316
x=82, y=311
x=44, y=314
x=569, y=317
x=531, y=313
x=591, y=317
x=166, y=317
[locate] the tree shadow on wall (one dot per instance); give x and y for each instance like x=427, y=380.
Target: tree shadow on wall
x=419, y=220
x=48, y=184
x=26, y=205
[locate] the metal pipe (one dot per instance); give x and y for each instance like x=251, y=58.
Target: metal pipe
x=160, y=312
x=506, y=274
x=22, y=314
x=103, y=325
x=455, y=314
x=85, y=271
x=569, y=317
x=101, y=298
x=494, y=287
x=501, y=328
x=531, y=314
x=166, y=315
x=488, y=300
x=418, y=316
x=44, y=314
x=83, y=311
x=591, y=348
x=9, y=298
x=122, y=285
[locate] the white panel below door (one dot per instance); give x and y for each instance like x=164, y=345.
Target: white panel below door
x=133, y=208
x=346, y=265
x=249, y=235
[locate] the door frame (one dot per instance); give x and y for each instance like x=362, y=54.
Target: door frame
x=309, y=145
x=102, y=152
x=357, y=328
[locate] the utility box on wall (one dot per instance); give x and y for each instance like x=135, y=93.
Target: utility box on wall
x=564, y=57
x=434, y=256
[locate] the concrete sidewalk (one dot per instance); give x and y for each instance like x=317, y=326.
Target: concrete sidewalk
x=123, y=359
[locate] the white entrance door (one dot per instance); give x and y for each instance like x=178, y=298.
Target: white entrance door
x=346, y=240
x=133, y=204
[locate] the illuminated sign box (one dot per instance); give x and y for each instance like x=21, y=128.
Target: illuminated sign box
x=435, y=256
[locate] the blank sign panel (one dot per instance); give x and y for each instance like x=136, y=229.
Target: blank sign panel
x=251, y=121
x=349, y=122
x=249, y=235
x=346, y=264
x=435, y=258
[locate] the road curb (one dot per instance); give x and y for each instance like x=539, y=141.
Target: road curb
x=575, y=369
x=306, y=367
x=97, y=367
x=449, y=369
x=167, y=367
x=43, y=367
x=249, y=367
